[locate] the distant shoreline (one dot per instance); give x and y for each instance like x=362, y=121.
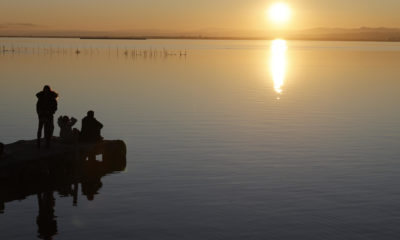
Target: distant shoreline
x=202, y=38
x=113, y=38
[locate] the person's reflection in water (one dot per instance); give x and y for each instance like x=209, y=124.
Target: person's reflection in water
x=75, y=195
x=91, y=183
x=2, y=207
x=46, y=221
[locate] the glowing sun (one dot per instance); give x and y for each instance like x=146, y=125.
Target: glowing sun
x=279, y=12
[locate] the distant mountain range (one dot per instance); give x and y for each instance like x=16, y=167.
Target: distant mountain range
x=325, y=34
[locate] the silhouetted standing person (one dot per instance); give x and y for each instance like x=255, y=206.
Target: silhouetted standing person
x=91, y=128
x=46, y=107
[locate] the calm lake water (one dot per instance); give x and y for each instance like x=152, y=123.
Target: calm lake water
x=226, y=139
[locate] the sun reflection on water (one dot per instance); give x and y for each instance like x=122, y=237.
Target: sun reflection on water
x=278, y=63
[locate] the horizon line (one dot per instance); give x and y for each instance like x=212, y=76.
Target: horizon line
x=155, y=37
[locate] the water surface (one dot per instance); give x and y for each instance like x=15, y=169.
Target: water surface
x=235, y=140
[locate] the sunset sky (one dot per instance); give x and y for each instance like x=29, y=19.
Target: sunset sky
x=194, y=14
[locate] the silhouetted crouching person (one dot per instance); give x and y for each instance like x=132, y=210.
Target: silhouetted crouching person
x=91, y=128
x=46, y=107
x=67, y=134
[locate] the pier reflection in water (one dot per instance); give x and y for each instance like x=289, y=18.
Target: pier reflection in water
x=65, y=180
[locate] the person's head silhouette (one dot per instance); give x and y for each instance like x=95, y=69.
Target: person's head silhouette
x=46, y=88
x=90, y=114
